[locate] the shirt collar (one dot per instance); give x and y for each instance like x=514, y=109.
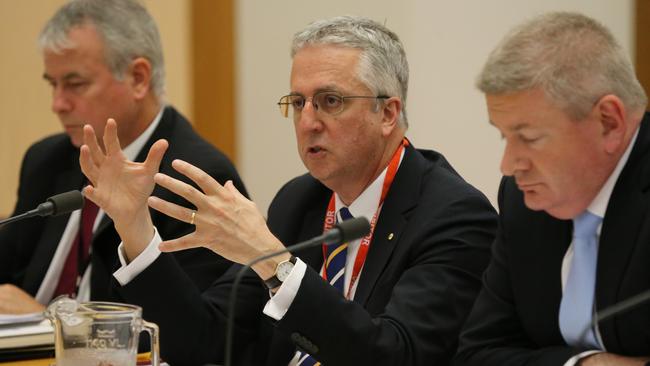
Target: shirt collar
x=599, y=205
x=368, y=201
x=132, y=151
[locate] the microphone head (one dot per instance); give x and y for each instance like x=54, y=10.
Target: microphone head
x=66, y=202
x=353, y=229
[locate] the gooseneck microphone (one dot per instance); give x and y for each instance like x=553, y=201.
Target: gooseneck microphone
x=59, y=204
x=619, y=308
x=345, y=231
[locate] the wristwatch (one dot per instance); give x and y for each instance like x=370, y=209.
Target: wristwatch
x=282, y=271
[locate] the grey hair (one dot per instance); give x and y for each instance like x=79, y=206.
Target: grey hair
x=574, y=59
x=125, y=26
x=383, y=67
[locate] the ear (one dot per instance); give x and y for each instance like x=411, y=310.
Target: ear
x=391, y=109
x=140, y=77
x=611, y=114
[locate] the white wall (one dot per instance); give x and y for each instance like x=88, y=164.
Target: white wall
x=446, y=44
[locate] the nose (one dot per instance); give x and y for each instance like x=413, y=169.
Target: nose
x=308, y=118
x=60, y=102
x=513, y=160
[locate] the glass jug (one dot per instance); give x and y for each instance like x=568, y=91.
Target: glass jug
x=99, y=333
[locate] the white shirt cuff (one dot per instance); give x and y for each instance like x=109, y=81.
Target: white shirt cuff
x=129, y=271
x=574, y=360
x=279, y=303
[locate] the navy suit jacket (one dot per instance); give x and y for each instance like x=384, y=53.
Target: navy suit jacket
x=515, y=320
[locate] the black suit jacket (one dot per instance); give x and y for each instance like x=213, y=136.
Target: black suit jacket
x=51, y=166
x=515, y=320
x=413, y=293
x=415, y=289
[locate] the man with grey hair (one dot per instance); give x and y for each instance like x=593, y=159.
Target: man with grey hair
x=397, y=296
x=574, y=234
x=102, y=59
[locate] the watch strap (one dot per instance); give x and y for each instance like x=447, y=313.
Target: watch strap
x=274, y=281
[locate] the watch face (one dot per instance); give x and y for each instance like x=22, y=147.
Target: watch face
x=283, y=270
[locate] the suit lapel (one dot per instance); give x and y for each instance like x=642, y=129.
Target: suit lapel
x=622, y=229
x=67, y=180
x=312, y=226
x=401, y=197
x=540, y=265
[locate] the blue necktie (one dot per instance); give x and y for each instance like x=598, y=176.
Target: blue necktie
x=335, y=269
x=577, y=306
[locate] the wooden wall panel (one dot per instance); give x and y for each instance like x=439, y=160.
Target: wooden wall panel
x=213, y=73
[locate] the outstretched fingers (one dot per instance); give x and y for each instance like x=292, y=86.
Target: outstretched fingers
x=181, y=188
x=111, y=141
x=88, y=166
x=155, y=155
x=207, y=184
x=90, y=140
x=171, y=209
x=184, y=242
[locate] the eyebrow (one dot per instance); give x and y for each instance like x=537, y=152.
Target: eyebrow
x=66, y=77
x=326, y=88
x=516, y=128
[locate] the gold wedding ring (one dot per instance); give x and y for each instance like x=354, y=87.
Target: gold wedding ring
x=192, y=219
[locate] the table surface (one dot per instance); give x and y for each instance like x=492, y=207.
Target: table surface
x=40, y=362
x=50, y=361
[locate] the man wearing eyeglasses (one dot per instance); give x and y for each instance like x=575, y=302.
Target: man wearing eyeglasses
x=397, y=296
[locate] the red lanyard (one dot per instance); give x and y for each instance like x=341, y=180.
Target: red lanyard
x=330, y=219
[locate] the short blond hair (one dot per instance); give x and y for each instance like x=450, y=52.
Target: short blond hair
x=574, y=59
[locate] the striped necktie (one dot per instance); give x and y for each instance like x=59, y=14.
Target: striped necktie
x=335, y=269
x=336, y=255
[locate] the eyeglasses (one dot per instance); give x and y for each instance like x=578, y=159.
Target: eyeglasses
x=329, y=102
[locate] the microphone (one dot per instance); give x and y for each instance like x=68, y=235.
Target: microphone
x=345, y=231
x=59, y=204
x=614, y=310
x=621, y=307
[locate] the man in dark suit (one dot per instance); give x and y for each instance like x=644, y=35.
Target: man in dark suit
x=574, y=234
x=395, y=297
x=101, y=59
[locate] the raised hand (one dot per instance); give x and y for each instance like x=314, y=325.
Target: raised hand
x=226, y=222
x=121, y=187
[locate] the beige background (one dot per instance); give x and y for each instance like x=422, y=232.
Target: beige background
x=446, y=43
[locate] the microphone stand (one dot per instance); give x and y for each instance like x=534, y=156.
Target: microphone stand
x=230, y=323
x=345, y=231
x=616, y=309
x=56, y=205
